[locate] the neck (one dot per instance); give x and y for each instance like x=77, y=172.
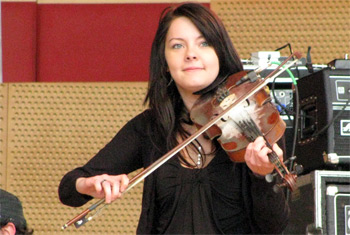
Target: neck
x=189, y=100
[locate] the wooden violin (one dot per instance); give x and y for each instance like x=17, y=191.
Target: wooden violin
x=255, y=116
x=216, y=117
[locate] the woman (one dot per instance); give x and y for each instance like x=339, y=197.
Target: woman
x=201, y=190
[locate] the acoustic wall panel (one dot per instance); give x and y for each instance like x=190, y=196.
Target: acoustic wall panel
x=265, y=25
x=55, y=127
x=3, y=134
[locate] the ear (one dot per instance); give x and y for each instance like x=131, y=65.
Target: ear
x=9, y=228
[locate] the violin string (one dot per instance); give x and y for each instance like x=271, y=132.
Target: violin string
x=251, y=131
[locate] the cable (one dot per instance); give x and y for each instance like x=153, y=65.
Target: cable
x=286, y=111
x=295, y=120
x=331, y=121
x=296, y=114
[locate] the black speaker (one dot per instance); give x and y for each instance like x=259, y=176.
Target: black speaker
x=324, y=122
x=320, y=204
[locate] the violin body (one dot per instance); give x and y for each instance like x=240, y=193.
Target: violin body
x=257, y=108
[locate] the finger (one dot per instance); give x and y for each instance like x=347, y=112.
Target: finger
x=107, y=190
x=260, y=140
x=98, y=185
x=124, y=183
x=278, y=151
x=263, y=155
x=248, y=153
x=98, y=180
x=259, y=144
x=115, y=189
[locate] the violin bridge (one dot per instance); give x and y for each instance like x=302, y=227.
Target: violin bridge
x=227, y=101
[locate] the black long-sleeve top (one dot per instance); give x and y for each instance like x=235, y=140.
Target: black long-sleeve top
x=224, y=197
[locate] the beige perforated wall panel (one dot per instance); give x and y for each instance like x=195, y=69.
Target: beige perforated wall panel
x=3, y=134
x=265, y=25
x=55, y=127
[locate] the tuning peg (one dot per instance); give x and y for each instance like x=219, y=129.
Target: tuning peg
x=277, y=188
x=298, y=169
x=289, y=160
x=270, y=177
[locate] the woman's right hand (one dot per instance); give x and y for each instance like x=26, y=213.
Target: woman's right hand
x=105, y=186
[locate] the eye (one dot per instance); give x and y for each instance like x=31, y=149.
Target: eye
x=204, y=44
x=176, y=46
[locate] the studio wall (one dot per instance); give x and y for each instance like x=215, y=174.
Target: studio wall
x=48, y=129
x=110, y=40
x=79, y=41
x=74, y=72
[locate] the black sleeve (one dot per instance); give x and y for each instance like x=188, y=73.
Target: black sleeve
x=270, y=210
x=122, y=155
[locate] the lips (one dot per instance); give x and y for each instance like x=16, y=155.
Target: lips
x=192, y=69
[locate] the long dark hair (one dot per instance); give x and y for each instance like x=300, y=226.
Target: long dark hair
x=163, y=98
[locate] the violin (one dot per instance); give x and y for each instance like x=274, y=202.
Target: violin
x=235, y=115
x=255, y=117
x=236, y=129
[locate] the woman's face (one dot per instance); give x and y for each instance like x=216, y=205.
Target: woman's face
x=192, y=63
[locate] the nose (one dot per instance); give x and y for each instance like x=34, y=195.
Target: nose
x=190, y=55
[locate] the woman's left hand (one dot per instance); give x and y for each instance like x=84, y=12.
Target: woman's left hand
x=256, y=156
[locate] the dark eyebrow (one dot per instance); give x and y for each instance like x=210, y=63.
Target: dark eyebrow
x=181, y=39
